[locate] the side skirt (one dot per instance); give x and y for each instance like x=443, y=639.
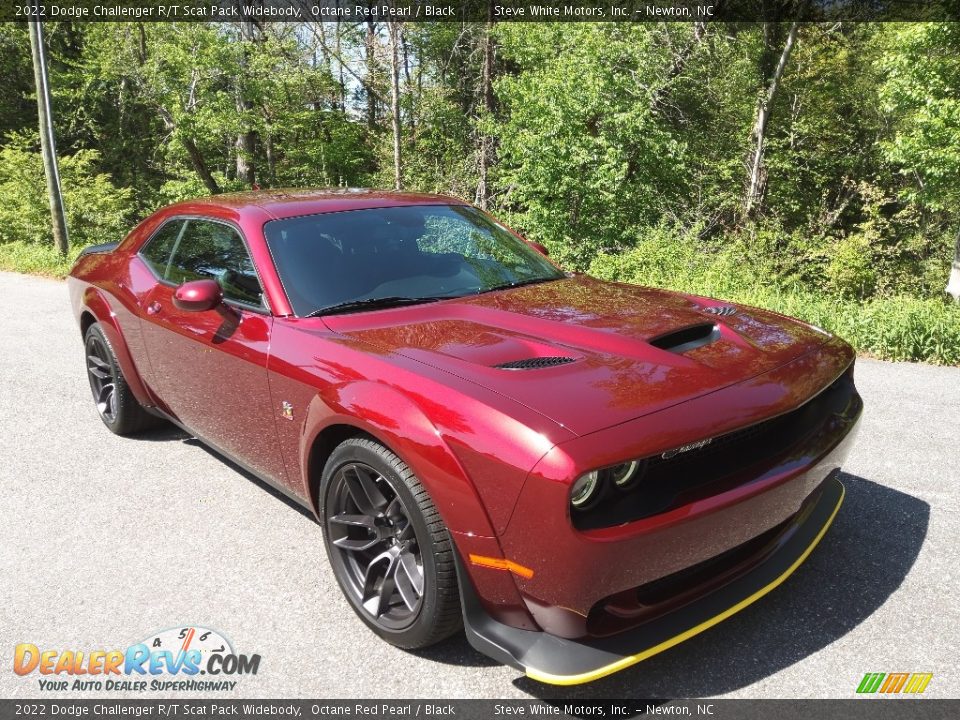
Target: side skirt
x=279, y=487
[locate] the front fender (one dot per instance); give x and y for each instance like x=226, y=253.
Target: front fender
x=408, y=432
x=396, y=421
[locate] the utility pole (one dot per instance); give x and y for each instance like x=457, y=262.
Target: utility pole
x=48, y=146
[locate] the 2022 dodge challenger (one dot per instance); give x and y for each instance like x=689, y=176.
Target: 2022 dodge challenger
x=580, y=473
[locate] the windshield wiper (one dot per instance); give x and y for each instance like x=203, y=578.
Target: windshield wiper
x=372, y=304
x=518, y=283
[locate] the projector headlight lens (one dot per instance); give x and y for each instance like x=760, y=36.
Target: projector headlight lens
x=625, y=475
x=585, y=490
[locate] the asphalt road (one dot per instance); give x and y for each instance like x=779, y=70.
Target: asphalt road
x=104, y=540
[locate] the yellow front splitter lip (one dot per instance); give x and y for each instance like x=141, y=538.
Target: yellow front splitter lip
x=558, y=661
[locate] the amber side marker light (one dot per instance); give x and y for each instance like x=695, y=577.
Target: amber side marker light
x=501, y=564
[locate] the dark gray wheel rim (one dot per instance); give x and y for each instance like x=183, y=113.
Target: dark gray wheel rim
x=374, y=546
x=100, y=372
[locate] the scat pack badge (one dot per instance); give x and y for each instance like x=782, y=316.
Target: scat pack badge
x=189, y=658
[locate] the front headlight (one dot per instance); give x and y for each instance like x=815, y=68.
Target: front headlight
x=585, y=490
x=625, y=475
x=590, y=487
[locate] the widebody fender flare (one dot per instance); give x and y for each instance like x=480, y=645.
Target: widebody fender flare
x=95, y=302
x=408, y=432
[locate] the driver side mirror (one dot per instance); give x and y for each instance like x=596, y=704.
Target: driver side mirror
x=198, y=295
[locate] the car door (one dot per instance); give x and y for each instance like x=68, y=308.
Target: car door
x=209, y=368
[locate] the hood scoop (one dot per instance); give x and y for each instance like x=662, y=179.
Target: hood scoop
x=535, y=363
x=688, y=338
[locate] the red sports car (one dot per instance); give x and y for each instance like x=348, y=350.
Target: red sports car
x=580, y=473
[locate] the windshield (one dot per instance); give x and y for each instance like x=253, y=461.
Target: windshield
x=397, y=255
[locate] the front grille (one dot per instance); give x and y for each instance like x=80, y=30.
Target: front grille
x=534, y=363
x=641, y=604
x=728, y=461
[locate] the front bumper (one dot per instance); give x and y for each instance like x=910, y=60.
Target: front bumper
x=583, y=578
x=558, y=661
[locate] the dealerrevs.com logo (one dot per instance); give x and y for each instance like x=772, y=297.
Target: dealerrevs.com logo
x=190, y=659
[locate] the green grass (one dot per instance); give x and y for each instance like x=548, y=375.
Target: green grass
x=36, y=259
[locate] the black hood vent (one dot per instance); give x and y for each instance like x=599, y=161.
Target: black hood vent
x=687, y=338
x=535, y=363
x=722, y=310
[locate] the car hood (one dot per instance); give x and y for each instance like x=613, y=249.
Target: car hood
x=585, y=353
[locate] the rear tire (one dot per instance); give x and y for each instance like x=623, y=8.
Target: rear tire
x=116, y=404
x=390, y=551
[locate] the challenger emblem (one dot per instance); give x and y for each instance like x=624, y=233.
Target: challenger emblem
x=686, y=448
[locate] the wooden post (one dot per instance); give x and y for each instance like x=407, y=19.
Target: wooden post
x=48, y=147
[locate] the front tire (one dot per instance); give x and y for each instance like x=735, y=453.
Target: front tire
x=116, y=404
x=389, y=549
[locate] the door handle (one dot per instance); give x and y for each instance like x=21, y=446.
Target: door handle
x=153, y=308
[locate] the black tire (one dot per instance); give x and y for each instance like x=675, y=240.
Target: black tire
x=116, y=404
x=398, y=520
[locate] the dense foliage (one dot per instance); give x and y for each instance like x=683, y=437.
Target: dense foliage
x=670, y=154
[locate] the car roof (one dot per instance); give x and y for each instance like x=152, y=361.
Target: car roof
x=284, y=203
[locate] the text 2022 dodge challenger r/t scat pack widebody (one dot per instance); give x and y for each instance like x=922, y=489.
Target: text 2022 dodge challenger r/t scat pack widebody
x=580, y=473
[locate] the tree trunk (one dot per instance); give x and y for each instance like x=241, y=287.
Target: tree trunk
x=196, y=159
x=370, y=46
x=756, y=183
x=48, y=147
x=246, y=167
x=953, y=287
x=365, y=82
x=271, y=158
x=394, y=32
x=193, y=152
x=246, y=142
x=408, y=83
x=342, y=85
x=486, y=141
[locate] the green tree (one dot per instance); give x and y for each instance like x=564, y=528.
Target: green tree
x=16, y=110
x=97, y=211
x=584, y=157
x=922, y=97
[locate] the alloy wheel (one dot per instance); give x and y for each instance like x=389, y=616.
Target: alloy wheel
x=102, y=384
x=375, y=546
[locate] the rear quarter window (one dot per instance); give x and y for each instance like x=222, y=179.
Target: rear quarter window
x=156, y=253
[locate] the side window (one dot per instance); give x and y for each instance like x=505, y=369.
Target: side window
x=157, y=251
x=214, y=250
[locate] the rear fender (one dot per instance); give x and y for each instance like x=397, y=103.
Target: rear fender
x=94, y=302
